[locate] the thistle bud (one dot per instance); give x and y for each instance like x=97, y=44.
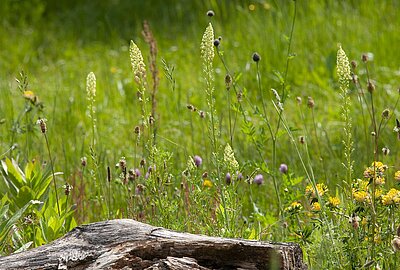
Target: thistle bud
x=256, y=57
x=210, y=13
x=217, y=42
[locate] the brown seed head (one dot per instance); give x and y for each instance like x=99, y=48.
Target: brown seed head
x=310, y=102
x=370, y=87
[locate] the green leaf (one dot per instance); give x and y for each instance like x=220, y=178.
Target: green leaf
x=6, y=226
x=25, y=194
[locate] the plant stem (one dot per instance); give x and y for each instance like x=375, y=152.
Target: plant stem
x=53, y=174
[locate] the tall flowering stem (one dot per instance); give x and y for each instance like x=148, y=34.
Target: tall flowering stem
x=344, y=75
x=91, y=96
x=207, y=56
x=139, y=73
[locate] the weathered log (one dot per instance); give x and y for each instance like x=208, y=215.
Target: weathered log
x=128, y=244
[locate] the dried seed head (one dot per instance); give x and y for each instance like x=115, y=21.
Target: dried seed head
x=385, y=151
x=42, y=123
x=373, y=134
x=239, y=96
x=228, y=81
x=353, y=64
x=108, y=174
x=137, y=130
x=396, y=243
x=205, y=175
x=131, y=175
x=190, y=107
x=302, y=139
x=364, y=57
x=202, y=114
x=310, y=102
x=67, y=188
x=122, y=163
x=370, y=87
x=83, y=161
x=354, y=78
x=151, y=120
x=139, y=189
x=143, y=163
x=298, y=99
x=256, y=57
x=385, y=113
x=210, y=13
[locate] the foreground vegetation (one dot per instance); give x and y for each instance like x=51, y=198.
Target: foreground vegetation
x=258, y=127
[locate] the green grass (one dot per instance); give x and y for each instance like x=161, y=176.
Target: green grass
x=58, y=45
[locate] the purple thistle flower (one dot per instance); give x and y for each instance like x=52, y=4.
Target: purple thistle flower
x=147, y=175
x=228, y=178
x=258, y=179
x=283, y=168
x=137, y=172
x=239, y=176
x=197, y=161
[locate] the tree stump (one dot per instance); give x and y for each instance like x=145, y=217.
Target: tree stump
x=128, y=244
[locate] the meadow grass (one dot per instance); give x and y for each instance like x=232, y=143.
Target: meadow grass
x=127, y=160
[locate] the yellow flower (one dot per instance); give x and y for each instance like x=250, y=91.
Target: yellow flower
x=379, y=180
x=294, y=207
x=361, y=196
x=315, y=206
x=29, y=95
x=321, y=188
x=333, y=201
x=207, y=183
x=392, y=197
x=397, y=176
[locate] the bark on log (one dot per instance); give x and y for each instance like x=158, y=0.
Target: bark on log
x=128, y=244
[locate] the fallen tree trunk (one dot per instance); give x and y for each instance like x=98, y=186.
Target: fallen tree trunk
x=128, y=244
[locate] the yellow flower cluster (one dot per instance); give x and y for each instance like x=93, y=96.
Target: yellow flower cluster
x=294, y=207
x=333, y=201
x=321, y=189
x=397, y=176
x=376, y=171
x=392, y=197
x=315, y=206
x=207, y=183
